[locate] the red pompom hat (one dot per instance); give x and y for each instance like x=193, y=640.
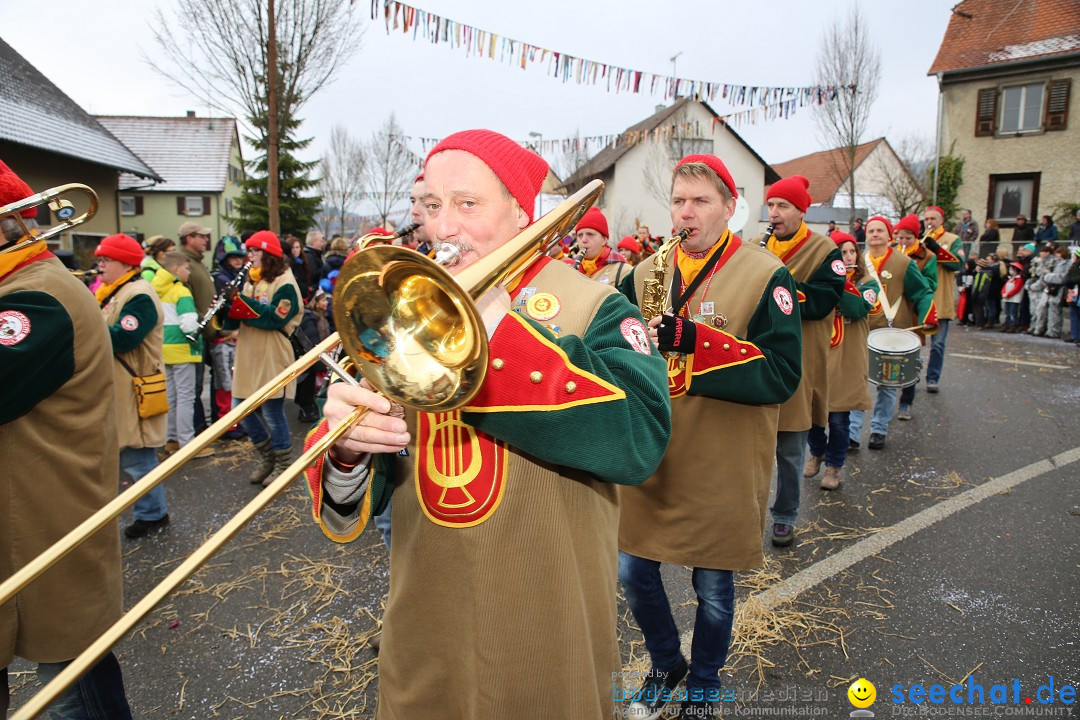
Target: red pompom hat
x=522, y=171
x=630, y=243
x=716, y=165
x=909, y=223
x=266, y=241
x=840, y=238
x=122, y=248
x=794, y=189
x=13, y=189
x=938, y=210
x=593, y=219
x=888, y=225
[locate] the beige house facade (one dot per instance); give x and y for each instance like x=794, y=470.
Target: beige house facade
x=1010, y=108
x=637, y=172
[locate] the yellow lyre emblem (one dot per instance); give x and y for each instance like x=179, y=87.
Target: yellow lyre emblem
x=677, y=376
x=460, y=471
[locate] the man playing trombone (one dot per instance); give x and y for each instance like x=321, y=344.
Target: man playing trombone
x=502, y=595
x=60, y=458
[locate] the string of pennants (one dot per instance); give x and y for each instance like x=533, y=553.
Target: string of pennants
x=483, y=43
x=690, y=130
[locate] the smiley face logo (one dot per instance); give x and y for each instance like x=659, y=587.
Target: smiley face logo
x=862, y=693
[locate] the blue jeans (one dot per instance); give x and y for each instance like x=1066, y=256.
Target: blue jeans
x=137, y=462
x=268, y=422
x=907, y=396
x=648, y=602
x=1012, y=314
x=1074, y=322
x=834, y=447
x=884, y=405
x=382, y=521
x=790, y=456
x=937, y=352
x=97, y=695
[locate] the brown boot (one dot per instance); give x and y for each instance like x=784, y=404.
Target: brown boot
x=813, y=466
x=282, y=460
x=264, y=464
x=833, y=477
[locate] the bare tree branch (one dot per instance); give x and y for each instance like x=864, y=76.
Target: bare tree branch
x=389, y=168
x=900, y=180
x=848, y=61
x=574, y=156
x=342, y=179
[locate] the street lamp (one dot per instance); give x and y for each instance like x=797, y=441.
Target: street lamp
x=540, y=152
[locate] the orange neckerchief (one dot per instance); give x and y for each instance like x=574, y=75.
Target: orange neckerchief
x=936, y=234
x=911, y=249
x=589, y=267
x=11, y=260
x=254, y=275
x=780, y=248
x=879, y=262
x=690, y=267
x=105, y=291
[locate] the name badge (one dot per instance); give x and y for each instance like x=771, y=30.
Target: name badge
x=525, y=294
x=707, y=308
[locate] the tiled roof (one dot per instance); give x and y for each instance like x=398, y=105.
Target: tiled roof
x=606, y=158
x=824, y=169
x=988, y=32
x=190, y=153
x=37, y=114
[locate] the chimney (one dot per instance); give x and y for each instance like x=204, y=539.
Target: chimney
x=191, y=113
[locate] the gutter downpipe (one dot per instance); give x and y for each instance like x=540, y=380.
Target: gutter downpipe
x=937, y=155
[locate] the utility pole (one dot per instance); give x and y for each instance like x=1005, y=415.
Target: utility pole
x=272, y=124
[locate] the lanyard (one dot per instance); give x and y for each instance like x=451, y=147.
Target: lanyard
x=706, y=273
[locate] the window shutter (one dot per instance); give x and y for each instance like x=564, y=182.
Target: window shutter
x=179, y=204
x=1057, y=104
x=205, y=204
x=986, y=113
x=138, y=205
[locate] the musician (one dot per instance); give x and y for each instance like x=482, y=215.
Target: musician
x=223, y=347
x=910, y=298
x=135, y=319
x=649, y=244
x=418, y=240
x=194, y=241
x=508, y=576
x=60, y=459
x=736, y=333
x=950, y=259
x=849, y=367
x=818, y=268
x=906, y=232
x=595, y=258
x=265, y=313
x=630, y=250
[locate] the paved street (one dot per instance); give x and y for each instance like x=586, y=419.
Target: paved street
x=915, y=572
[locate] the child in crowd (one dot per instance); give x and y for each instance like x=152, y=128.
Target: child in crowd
x=1011, y=295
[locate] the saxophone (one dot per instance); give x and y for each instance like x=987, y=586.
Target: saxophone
x=654, y=296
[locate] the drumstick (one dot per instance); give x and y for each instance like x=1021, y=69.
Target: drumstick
x=916, y=327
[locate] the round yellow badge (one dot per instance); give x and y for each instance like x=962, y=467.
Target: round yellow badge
x=862, y=693
x=542, y=306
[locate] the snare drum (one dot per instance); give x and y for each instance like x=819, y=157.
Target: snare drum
x=894, y=357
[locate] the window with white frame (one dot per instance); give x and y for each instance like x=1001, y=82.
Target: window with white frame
x=1022, y=108
x=193, y=205
x=127, y=205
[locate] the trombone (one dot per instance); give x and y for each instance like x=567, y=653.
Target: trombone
x=62, y=207
x=413, y=331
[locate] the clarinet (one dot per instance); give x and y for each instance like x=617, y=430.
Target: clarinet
x=768, y=233
x=405, y=231
x=219, y=301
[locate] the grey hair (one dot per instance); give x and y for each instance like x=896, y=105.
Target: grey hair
x=13, y=232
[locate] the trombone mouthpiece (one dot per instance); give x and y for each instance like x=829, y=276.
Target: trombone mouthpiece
x=447, y=255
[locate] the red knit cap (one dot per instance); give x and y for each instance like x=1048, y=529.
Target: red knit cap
x=266, y=241
x=630, y=243
x=938, y=210
x=909, y=223
x=794, y=189
x=888, y=225
x=716, y=165
x=522, y=171
x=593, y=219
x=13, y=189
x=840, y=238
x=122, y=248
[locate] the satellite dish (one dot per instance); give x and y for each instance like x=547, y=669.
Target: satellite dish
x=742, y=214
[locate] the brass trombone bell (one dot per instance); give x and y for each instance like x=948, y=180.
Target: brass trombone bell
x=63, y=208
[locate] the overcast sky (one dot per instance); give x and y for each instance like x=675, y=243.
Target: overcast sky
x=92, y=51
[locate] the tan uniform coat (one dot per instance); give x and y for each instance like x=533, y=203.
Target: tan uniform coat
x=849, y=368
x=60, y=466
x=136, y=432
x=891, y=277
x=945, y=293
x=262, y=354
x=810, y=403
x=705, y=506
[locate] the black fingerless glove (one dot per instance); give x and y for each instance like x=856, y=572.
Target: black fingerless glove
x=676, y=334
x=932, y=245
